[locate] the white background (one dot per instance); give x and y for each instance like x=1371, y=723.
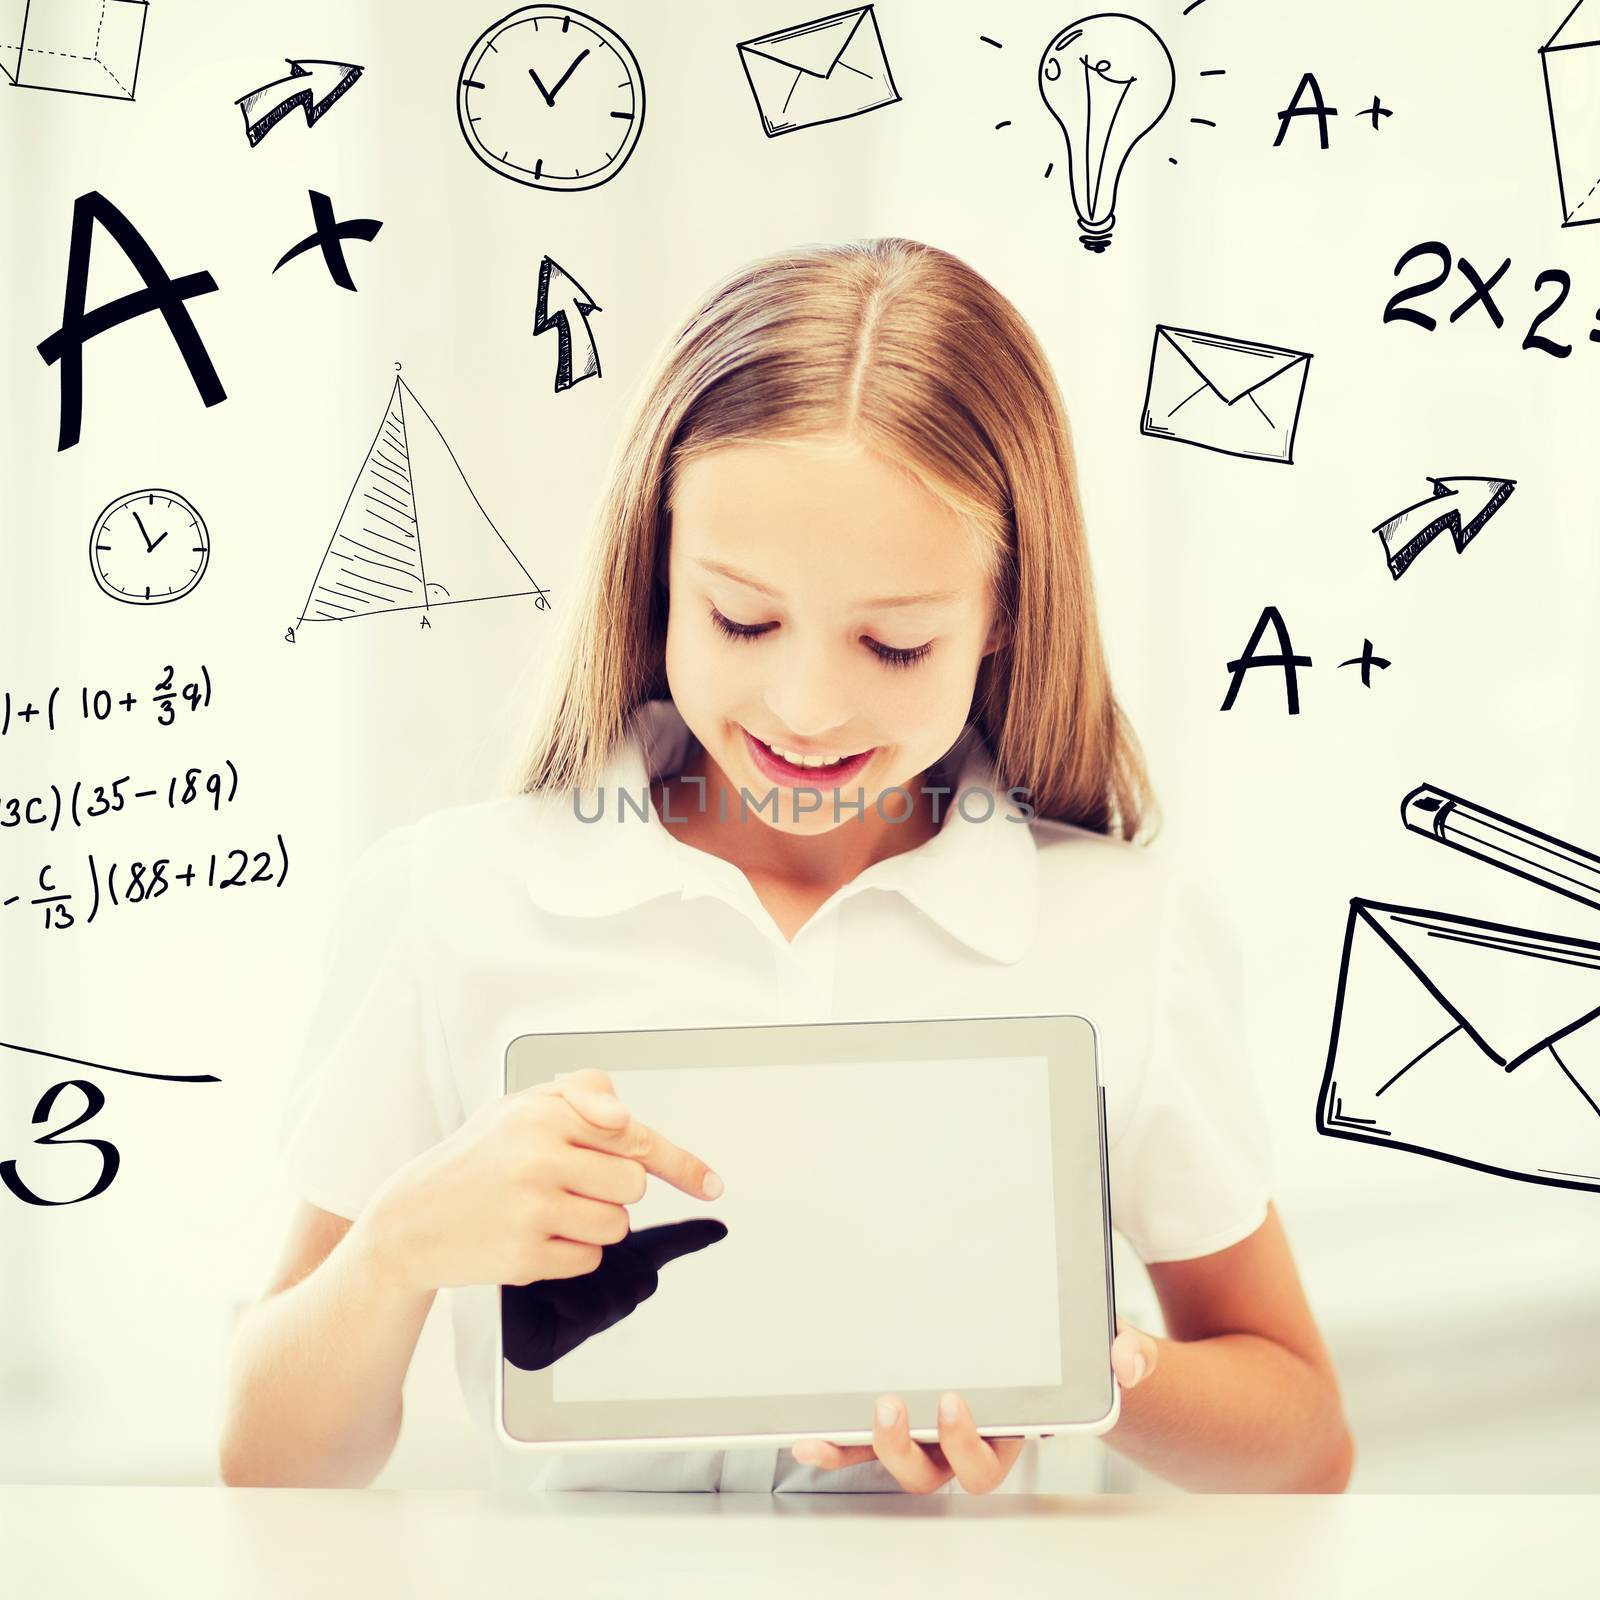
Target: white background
x=1462, y=1308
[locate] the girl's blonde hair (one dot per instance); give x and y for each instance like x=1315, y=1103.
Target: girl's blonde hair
x=906, y=349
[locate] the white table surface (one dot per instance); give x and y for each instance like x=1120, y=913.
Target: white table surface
x=122, y=1543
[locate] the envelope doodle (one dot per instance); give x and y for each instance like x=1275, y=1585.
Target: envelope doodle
x=1469, y=1041
x=1227, y=395
x=821, y=71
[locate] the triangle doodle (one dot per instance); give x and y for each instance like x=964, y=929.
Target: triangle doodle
x=413, y=535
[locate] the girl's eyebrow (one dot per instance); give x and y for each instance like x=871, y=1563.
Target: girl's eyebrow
x=931, y=597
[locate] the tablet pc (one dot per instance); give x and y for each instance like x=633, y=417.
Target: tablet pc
x=910, y=1207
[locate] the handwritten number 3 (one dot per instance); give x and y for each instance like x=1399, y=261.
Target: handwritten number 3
x=110, y=1159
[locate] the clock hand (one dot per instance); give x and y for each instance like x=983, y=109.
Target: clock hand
x=564, y=76
x=549, y=99
x=148, y=547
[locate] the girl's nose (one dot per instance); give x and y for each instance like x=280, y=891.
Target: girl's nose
x=809, y=688
x=808, y=711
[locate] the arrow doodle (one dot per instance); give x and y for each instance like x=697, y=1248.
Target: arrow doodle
x=573, y=303
x=315, y=85
x=1461, y=507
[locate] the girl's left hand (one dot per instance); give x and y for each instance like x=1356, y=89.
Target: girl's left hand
x=962, y=1452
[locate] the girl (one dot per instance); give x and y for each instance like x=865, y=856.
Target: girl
x=841, y=557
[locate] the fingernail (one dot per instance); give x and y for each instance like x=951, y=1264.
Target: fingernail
x=949, y=1408
x=888, y=1413
x=1138, y=1368
x=713, y=1186
x=806, y=1452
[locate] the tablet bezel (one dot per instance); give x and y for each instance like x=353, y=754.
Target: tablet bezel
x=1068, y=1041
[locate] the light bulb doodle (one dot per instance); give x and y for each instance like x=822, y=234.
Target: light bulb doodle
x=1108, y=80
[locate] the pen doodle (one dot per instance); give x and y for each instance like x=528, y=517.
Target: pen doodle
x=1107, y=80
x=1571, y=65
x=314, y=86
x=375, y=562
x=1485, y=1038
x=827, y=70
x=149, y=548
x=1481, y=292
x=1461, y=507
x=88, y=47
x=329, y=235
x=580, y=120
x=563, y=301
x=94, y=1103
x=161, y=293
x=1503, y=842
x=97, y=703
x=1231, y=396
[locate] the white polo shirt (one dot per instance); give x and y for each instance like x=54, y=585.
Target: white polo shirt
x=479, y=923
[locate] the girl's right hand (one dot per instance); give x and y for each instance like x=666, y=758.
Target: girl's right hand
x=531, y=1186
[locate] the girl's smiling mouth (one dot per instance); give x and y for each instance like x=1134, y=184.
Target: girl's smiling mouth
x=782, y=770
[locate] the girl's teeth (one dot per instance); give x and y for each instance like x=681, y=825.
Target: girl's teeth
x=804, y=761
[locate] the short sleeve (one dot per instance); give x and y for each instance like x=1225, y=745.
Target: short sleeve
x=371, y=1090
x=1192, y=1172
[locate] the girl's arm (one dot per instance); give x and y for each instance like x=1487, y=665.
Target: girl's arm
x=318, y=1363
x=532, y=1185
x=1242, y=1396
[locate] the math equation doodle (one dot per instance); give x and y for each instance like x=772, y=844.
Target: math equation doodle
x=1482, y=297
x=142, y=881
x=149, y=548
x=93, y=703
x=378, y=561
x=55, y=1138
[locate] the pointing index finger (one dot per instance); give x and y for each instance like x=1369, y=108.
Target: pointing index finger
x=660, y=1155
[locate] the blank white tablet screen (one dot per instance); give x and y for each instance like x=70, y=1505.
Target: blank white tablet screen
x=891, y=1225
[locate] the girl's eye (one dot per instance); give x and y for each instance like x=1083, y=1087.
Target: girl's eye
x=885, y=653
x=898, y=658
x=736, y=630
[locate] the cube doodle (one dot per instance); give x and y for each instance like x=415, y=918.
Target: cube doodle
x=73, y=46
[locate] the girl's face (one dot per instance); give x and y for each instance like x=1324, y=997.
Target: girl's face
x=824, y=603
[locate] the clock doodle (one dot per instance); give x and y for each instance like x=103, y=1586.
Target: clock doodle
x=551, y=98
x=149, y=547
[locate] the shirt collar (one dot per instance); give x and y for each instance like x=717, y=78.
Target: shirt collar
x=977, y=878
